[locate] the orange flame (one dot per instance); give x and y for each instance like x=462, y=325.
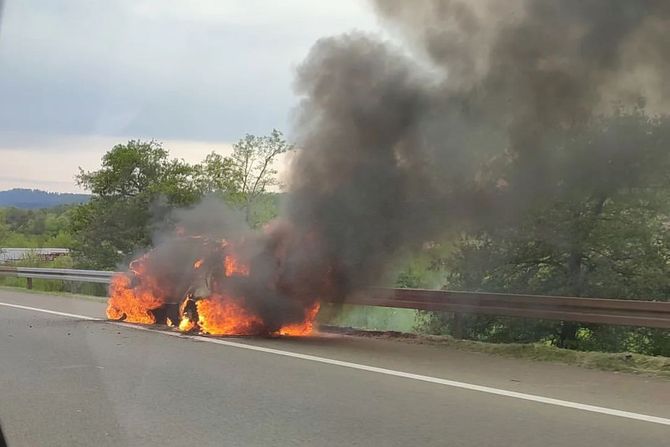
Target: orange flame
x=186, y=311
x=141, y=296
x=304, y=328
x=234, y=267
x=134, y=305
x=221, y=315
x=186, y=325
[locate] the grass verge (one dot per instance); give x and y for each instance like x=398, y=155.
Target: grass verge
x=657, y=366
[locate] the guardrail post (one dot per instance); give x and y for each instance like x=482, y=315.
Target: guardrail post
x=457, y=325
x=29, y=283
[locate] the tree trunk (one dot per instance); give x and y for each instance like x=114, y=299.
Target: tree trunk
x=567, y=336
x=457, y=326
x=247, y=211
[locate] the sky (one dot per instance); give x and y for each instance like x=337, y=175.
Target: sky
x=78, y=76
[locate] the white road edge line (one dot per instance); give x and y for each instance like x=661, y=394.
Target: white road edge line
x=375, y=369
x=52, y=312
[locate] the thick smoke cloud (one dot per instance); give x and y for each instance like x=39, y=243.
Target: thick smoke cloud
x=400, y=144
x=392, y=153
x=192, y=262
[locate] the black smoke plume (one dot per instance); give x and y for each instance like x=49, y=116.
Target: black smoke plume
x=400, y=143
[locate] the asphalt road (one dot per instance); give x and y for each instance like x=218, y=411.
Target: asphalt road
x=70, y=381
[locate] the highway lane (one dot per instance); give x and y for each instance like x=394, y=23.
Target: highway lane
x=67, y=381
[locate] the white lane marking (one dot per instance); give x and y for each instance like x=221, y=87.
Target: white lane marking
x=75, y=367
x=52, y=312
x=375, y=369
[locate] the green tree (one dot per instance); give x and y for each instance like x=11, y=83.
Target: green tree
x=245, y=178
x=216, y=175
x=599, y=228
x=35, y=228
x=4, y=229
x=252, y=169
x=137, y=184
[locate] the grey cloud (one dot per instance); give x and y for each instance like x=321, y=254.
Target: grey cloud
x=145, y=68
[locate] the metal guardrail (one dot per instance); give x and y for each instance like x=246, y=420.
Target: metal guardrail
x=586, y=310
x=30, y=273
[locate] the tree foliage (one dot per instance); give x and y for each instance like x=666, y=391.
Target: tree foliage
x=253, y=168
x=35, y=228
x=599, y=227
x=138, y=184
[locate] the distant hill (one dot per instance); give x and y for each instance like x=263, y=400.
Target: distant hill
x=35, y=198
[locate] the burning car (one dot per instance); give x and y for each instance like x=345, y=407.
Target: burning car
x=210, y=286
